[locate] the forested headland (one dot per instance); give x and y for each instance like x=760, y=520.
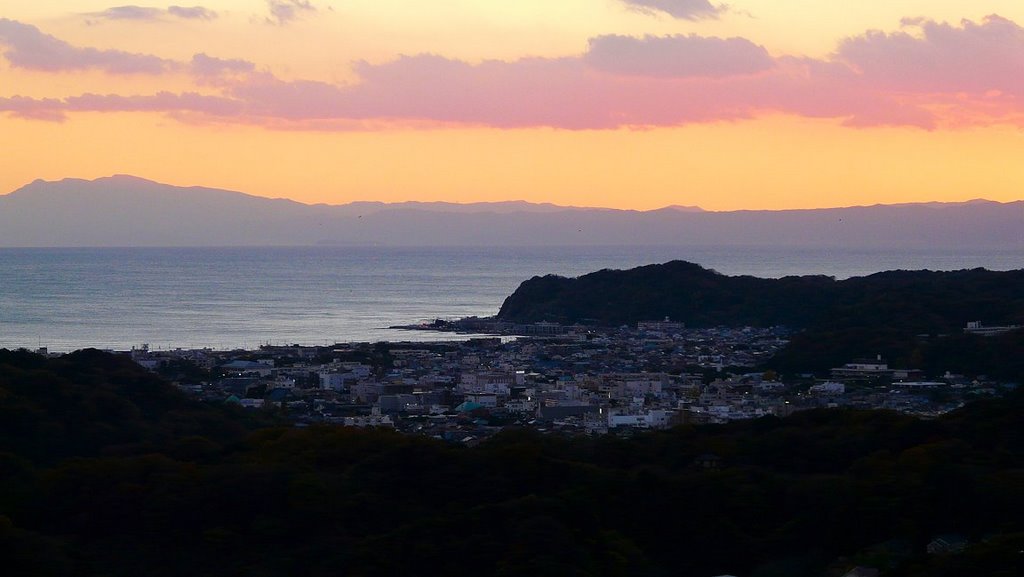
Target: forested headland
x=915, y=319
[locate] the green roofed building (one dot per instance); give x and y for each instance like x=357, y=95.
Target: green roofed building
x=468, y=407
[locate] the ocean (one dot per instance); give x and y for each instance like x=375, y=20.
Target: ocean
x=116, y=298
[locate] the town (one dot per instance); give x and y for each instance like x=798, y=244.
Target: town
x=553, y=378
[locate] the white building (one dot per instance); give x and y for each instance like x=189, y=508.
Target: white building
x=654, y=419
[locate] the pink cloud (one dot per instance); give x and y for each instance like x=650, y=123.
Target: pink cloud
x=268, y=96
x=152, y=14
x=48, y=109
x=129, y=13
x=873, y=80
x=569, y=93
x=676, y=56
x=192, y=12
x=285, y=11
x=530, y=92
x=210, y=67
x=29, y=48
x=56, y=109
x=972, y=57
x=817, y=89
x=159, y=102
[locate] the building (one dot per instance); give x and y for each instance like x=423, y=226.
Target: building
x=654, y=419
x=862, y=369
x=976, y=328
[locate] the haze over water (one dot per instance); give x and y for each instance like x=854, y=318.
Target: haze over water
x=67, y=299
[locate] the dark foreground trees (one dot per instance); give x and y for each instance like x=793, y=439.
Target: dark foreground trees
x=105, y=470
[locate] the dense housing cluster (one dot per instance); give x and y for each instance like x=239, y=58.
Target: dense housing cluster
x=555, y=379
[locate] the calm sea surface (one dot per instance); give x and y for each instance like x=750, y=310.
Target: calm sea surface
x=67, y=299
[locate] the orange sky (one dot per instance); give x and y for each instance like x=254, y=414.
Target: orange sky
x=618, y=103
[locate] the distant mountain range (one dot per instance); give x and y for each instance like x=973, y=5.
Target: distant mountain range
x=129, y=211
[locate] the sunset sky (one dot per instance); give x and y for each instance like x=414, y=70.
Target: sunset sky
x=753, y=104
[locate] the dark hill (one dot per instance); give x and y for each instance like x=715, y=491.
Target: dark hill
x=90, y=403
x=912, y=300
x=681, y=290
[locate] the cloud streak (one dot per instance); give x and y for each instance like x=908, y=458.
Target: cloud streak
x=192, y=12
x=129, y=13
x=152, y=14
x=53, y=109
x=681, y=9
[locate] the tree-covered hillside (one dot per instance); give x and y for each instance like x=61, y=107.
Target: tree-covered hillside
x=687, y=292
x=892, y=313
